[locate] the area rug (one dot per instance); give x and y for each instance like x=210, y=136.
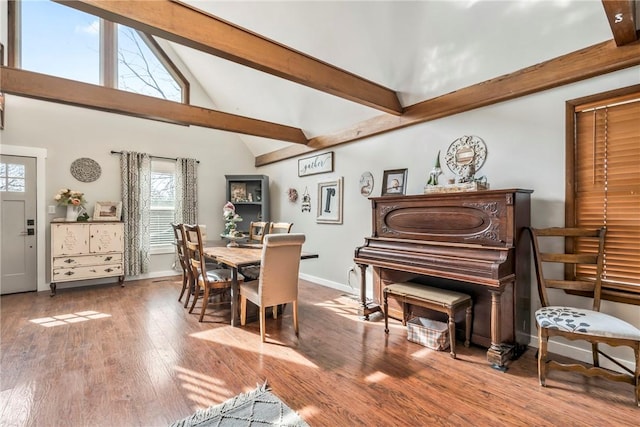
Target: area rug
x=256, y=408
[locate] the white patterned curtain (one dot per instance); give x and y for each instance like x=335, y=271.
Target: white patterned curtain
x=135, y=171
x=186, y=206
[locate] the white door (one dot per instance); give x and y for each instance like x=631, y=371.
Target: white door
x=18, y=224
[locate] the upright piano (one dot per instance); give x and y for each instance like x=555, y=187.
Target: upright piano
x=472, y=242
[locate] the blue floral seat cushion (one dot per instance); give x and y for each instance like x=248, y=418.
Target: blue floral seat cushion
x=588, y=322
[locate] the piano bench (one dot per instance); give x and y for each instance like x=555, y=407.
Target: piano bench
x=441, y=300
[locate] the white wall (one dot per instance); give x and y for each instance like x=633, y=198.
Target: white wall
x=526, y=149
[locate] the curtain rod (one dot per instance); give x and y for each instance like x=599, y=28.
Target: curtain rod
x=155, y=157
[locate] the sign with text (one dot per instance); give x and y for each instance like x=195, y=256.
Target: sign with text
x=320, y=163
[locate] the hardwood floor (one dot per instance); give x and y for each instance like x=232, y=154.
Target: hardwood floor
x=133, y=356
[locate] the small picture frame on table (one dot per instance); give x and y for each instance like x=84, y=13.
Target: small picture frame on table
x=394, y=182
x=107, y=211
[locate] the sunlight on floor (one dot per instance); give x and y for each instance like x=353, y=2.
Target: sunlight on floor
x=202, y=389
x=247, y=340
x=376, y=377
x=344, y=306
x=64, y=319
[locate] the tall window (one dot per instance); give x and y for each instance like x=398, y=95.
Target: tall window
x=58, y=40
x=604, y=179
x=163, y=190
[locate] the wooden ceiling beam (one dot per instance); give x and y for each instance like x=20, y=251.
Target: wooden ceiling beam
x=583, y=64
x=190, y=27
x=49, y=88
x=621, y=15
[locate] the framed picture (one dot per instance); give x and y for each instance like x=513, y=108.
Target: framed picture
x=394, y=182
x=330, y=202
x=238, y=191
x=107, y=211
x=320, y=163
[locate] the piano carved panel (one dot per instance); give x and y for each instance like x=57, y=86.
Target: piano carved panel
x=471, y=242
x=476, y=218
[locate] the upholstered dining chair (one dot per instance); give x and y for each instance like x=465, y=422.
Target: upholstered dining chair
x=183, y=259
x=584, y=252
x=278, y=281
x=214, y=282
x=280, y=227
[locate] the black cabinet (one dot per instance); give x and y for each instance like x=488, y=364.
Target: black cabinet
x=250, y=195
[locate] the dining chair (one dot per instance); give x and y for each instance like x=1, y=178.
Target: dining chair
x=280, y=227
x=257, y=231
x=183, y=259
x=278, y=280
x=215, y=282
x=584, y=251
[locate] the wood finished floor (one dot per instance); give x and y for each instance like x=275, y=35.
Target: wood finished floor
x=134, y=356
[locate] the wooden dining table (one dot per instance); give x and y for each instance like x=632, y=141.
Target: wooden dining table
x=235, y=258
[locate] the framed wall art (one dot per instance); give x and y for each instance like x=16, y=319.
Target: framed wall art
x=238, y=192
x=320, y=163
x=107, y=211
x=394, y=182
x=330, y=202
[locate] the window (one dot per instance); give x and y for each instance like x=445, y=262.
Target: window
x=163, y=180
x=58, y=40
x=12, y=178
x=604, y=184
x=140, y=69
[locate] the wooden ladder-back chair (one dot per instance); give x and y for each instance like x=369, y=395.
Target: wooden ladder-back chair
x=257, y=231
x=214, y=282
x=183, y=259
x=575, y=323
x=280, y=227
x=278, y=281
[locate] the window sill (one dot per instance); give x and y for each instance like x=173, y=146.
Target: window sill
x=162, y=250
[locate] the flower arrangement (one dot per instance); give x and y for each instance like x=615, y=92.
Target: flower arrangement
x=66, y=197
x=230, y=219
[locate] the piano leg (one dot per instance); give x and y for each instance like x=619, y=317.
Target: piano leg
x=365, y=308
x=498, y=353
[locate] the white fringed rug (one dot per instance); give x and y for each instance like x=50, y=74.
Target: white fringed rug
x=256, y=408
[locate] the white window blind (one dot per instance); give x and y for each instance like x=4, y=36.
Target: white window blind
x=162, y=210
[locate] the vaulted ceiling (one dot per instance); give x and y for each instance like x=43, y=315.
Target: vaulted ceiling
x=320, y=73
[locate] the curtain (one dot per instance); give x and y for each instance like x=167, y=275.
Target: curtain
x=186, y=206
x=135, y=171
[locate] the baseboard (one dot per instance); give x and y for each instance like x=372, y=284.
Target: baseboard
x=329, y=284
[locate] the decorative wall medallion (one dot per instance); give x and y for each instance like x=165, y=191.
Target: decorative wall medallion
x=85, y=169
x=366, y=183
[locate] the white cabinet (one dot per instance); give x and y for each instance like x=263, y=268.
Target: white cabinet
x=81, y=251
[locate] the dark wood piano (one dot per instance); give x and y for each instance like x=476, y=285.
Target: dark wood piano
x=472, y=242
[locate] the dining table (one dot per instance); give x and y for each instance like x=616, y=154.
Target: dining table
x=236, y=257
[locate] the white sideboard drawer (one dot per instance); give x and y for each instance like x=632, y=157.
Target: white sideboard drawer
x=77, y=261
x=86, y=272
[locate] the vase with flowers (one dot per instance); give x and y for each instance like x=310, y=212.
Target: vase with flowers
x=73, y=200
x=230, y=227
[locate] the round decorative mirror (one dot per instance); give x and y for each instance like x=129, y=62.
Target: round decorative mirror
x=465, y=156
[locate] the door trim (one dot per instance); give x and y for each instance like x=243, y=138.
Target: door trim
x=40, y=154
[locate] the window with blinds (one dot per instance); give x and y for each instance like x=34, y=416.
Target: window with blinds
x=162, y=203
x=604, y=183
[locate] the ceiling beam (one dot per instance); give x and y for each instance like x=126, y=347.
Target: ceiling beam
x=49, y=88
x=583, y=64
x=187, y=26
x=622, y=20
